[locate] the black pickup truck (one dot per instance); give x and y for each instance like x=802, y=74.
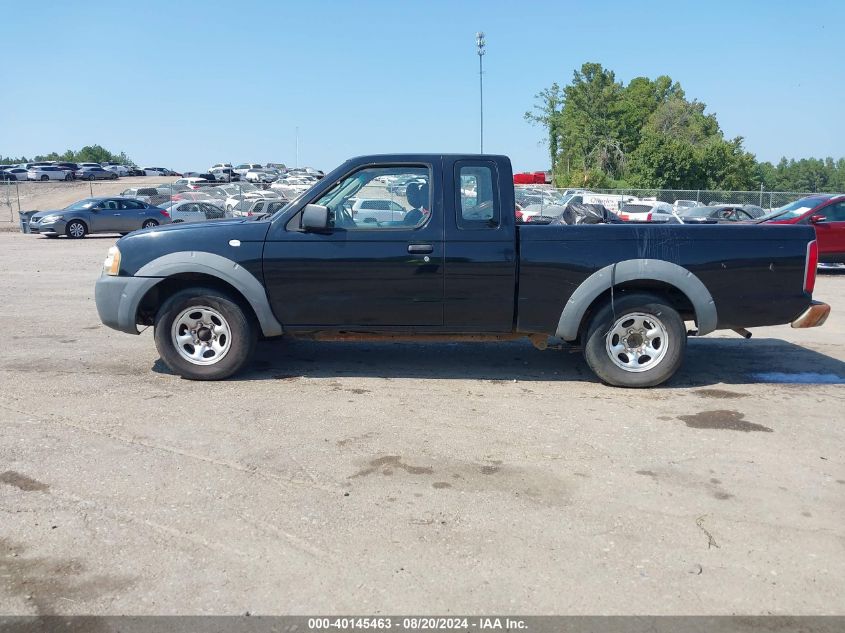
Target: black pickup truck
x=445, y=259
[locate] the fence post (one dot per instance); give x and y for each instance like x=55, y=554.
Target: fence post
x=18, y=193
x=761, y=194
x=91, y=187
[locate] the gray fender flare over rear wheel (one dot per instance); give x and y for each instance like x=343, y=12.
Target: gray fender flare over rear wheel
x=637, y=341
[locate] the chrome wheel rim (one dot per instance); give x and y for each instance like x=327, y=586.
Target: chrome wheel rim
x=201, y=335
x=637, y=342
x=76, y=229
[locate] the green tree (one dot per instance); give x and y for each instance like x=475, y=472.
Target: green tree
x=546, y=113
x=588, y=123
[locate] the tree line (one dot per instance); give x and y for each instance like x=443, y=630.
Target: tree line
x=88, y=154
x=604, y=134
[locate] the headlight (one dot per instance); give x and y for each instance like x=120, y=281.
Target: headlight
x=111, y=266
x=49, y=219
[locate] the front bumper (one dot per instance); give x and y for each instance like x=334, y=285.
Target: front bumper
x=814, y=316
x=118, y=298
x=54, y=228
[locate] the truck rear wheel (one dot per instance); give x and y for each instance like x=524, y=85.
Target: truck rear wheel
x=203, y=334
x=639, y=341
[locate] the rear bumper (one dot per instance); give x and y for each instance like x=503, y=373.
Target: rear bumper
x=814, y=316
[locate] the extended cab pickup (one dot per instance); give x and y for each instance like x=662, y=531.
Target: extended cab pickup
x=454, y=266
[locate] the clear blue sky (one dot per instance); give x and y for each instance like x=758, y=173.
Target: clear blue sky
x=187, y=84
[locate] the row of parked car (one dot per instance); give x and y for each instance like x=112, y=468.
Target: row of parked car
x=58, y=170
x=221, y=172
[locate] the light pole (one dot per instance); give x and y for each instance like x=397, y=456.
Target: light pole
x=481, y=43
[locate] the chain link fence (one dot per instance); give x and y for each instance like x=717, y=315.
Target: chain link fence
x=545, y=195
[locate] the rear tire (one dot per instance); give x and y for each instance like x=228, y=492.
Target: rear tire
x=76, y=230
x=637, y=342
x=191, y=347
x=45, y=178
x=148, y=224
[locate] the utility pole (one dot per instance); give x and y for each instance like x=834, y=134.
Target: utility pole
x=481, y=43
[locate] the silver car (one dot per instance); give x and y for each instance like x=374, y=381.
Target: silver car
x=98, y=215
x=192, y=211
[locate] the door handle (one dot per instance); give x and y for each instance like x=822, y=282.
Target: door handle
x=420, y=249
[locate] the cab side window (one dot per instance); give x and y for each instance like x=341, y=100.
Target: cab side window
x=380, y=198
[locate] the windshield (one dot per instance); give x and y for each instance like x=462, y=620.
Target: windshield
x=695, y=212
x=794, y=209
x=82, y=204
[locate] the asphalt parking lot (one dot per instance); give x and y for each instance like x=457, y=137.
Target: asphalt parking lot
x=391, y=478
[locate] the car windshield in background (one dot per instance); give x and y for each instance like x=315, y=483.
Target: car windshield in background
x=82, y=204
x=636, y=208
x=794, y=209
x=695, y=212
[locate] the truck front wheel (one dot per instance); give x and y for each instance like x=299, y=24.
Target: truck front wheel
x=638, y=341
x=203, y=334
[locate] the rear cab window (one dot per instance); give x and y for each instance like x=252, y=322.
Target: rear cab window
x=477, y=195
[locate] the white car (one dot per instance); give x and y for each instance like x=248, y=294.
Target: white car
x=48, y=172
x=261, y=175
x=245, y=167
x=192, y=211
x=16, y=173
x=685, y=204
x=192, y=183
x=156, y=171
x=644, y=210
x=377, y=210
x=219, y=166
x=120, y=170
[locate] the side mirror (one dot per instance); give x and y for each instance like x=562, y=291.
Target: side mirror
x=816, y=218
x=315, y=218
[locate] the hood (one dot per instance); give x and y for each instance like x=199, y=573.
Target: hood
x=140, y=247
x=44, y=214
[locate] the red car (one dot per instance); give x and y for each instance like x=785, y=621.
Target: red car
x=827, y=213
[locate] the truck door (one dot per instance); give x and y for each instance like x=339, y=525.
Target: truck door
x=363, y=274
x=480, y=284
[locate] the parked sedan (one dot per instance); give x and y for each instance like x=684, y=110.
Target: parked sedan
x=48, y=172
x=98, y=215
x=120, y=170
x=15, y=173
x=191, y=211
x=95, y=173
x=722, y=213
x=645, y=211
x=377, y=210
x=157, y=171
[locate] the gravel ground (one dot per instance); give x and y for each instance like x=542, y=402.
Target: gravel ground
x=390, y=478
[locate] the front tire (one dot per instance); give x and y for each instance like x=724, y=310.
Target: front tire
x=639, y=341
x=202, y=334
x=76, y=230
